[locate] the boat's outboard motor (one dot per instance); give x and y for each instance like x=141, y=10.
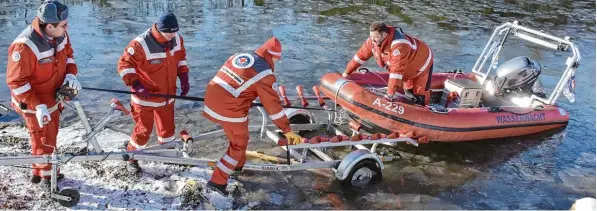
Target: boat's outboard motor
x=516, y=76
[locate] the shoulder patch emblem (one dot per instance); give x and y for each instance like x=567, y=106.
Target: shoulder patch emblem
x=395, y=52
x=16, y=56
x=130, y=50
x=243, y=61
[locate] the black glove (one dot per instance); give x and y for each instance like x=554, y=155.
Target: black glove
x=66, y=93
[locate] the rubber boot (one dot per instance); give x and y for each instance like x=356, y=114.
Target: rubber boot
x=221, y=189
x=35, y=179
x=46, y=183
x=133, y=166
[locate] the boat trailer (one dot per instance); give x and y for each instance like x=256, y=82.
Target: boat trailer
x=357, y=169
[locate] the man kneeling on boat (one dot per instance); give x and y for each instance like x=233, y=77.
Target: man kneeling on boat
x=408, y=59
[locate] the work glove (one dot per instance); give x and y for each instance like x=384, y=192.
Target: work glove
x=66, y=93
x=42, y=114
x=140, y=90
x=72, y=82
x=184, y=83
x=293, y=138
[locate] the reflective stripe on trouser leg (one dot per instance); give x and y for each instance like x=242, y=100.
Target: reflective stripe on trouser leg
x=221, y=166
x=48, y=173
x=45, y=170
x=165, y=140
x=164, y=123
x=143, y=117
x=238, y=136
x=221, y=172
x=230, y=160
x=38, y=168
x=133, y=145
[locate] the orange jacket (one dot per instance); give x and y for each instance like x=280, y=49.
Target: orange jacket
x=404, y=56
x=156, y=63
x=243, y=78
x=37, y=66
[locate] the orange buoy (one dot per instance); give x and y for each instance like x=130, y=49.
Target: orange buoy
x=282, y=90
x=185, y=136
x=299, y=90
x=315, y=140
x=375, y=136
x=393, y=135
x=319, y=99
x=423, y=140
x=408, y=134
x=357, y=137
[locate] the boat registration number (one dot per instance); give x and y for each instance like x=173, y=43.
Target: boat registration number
x=393, y=107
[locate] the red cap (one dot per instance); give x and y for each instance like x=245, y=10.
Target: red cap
x=272, y=47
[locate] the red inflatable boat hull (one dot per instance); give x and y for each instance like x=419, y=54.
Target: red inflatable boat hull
x=461, y=124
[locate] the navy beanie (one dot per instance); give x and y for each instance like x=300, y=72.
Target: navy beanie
x=168, y=23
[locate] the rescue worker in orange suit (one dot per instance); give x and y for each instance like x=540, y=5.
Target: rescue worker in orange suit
x=40, y=65
x=150, y=64
x=228, y=97
x=408, y=59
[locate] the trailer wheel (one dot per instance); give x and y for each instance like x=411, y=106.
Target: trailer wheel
x=72, y=193
x=363, y=173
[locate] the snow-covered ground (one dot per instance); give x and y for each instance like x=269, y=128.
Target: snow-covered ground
x=103, y=185
x=107, y=184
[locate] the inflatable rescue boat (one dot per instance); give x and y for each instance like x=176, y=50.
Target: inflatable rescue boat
x=464, y=107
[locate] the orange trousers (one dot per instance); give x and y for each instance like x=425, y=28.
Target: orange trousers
x=421, y=84
x=238, y=137
x=145, y=117
x=39, y=147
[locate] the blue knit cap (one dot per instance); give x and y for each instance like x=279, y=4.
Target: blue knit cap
x=168, y=23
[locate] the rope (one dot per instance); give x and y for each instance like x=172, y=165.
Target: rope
x=336, y=119
x=106, y=157
x=384, y=81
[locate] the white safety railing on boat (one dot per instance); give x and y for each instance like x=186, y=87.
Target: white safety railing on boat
x=494, y=46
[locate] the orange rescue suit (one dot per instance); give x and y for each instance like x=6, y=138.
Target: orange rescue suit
x=408, y=59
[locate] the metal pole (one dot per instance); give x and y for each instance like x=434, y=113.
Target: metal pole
x=476, y=66
x=497, y=53
x=83, y=117
x=263, y=121
x=56, y=159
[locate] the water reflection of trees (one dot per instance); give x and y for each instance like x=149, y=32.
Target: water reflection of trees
x=16, y=13
x=126, y=14
x=223, y=4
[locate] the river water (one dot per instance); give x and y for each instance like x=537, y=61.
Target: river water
x=549, y=171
